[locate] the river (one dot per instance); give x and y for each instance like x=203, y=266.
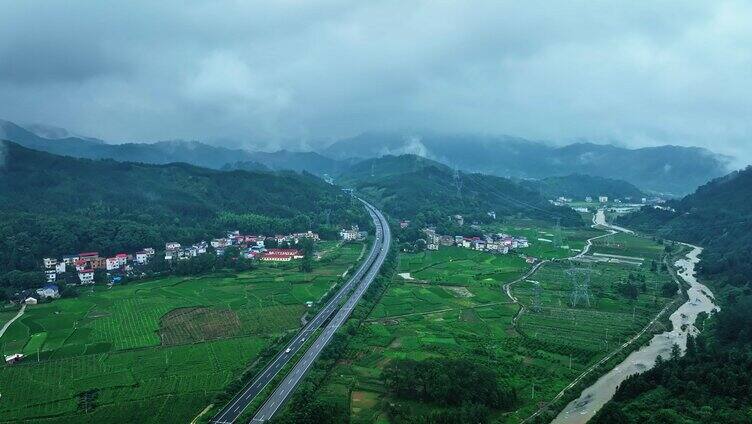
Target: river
x=592, y=399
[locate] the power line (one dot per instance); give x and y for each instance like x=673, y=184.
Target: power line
x=513, y=200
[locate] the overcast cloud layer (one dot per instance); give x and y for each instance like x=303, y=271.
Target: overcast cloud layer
x=285, y=72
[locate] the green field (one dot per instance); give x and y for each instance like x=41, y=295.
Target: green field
x=573, y=239
x=455, y=307
x=154, y=351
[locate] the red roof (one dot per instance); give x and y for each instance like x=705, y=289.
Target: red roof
x=121, y=255
x=88, y=254
x=86, y=271
x=275, y=256
x=283, y=252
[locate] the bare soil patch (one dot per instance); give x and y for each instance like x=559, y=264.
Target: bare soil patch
x=191, y=325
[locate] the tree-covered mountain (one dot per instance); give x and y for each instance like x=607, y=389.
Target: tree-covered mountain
x=293, y=161
x=668, y=169
x=579, y=186
x=191, y=152
x=54, y=205
x=718, y=217
x=410, y=186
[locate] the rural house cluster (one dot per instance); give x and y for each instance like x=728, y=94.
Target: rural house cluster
x=494, y=243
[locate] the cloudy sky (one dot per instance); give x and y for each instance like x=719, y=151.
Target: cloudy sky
x=292, y=72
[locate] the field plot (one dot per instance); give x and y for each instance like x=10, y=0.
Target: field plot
x=542, y=236
x=454, y=307
x=154, y=351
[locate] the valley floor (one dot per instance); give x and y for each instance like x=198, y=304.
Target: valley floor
x=450, y=304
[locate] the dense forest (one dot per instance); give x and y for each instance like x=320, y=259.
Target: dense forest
x=710, y=384
x=416, y=188
x=53, y=205
x=718, y=217
x=579, y=186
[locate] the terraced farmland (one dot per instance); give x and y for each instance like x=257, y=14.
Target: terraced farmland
x=154, y=351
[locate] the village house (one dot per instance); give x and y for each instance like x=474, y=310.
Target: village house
x=12, y=359
x=404, y=224
x=98, y=263
x=271, y=257
x=49, y=262
x=122, y=258
x=81, y=265
x=112, y=264
x=30, y=301
x=70, y=259
x=172, y=246
x=351, y=234
x=142, y=257
x=50, y=275
x=50, y=291
x=220, y=243
x=60, y=268
x=88, y=256
x=603, y=199
x=86, y=276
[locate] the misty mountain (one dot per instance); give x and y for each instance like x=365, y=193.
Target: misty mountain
x=410, y=186
x=666, y=169
x=191, y=152
x=312, y=162
x=578, y=186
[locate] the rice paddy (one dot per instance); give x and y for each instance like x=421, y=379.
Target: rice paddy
x=153, y=351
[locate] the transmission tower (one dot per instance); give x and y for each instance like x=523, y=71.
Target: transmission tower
x=558, y=239
x=537, y=304
x=327, y=214
x=458, y=182
x=580, y=285
x=372, y=168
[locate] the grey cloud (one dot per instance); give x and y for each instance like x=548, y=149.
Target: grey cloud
x=292, y=74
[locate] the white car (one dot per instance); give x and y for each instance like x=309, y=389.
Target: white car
x=287, y=350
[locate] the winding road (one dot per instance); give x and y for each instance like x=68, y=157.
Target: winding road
x=358, y=284
x=12, y=320
x=599, y=220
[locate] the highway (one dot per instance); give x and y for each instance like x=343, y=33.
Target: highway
x=359, y=281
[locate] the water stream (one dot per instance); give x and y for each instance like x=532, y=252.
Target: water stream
x=592, y=399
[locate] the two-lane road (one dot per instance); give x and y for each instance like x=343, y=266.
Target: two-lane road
x=365, y=273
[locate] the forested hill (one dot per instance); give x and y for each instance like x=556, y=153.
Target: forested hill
x=718, y=216
x=579, y=186
x=54, y=205
x=669, y=169
x=410, y=186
